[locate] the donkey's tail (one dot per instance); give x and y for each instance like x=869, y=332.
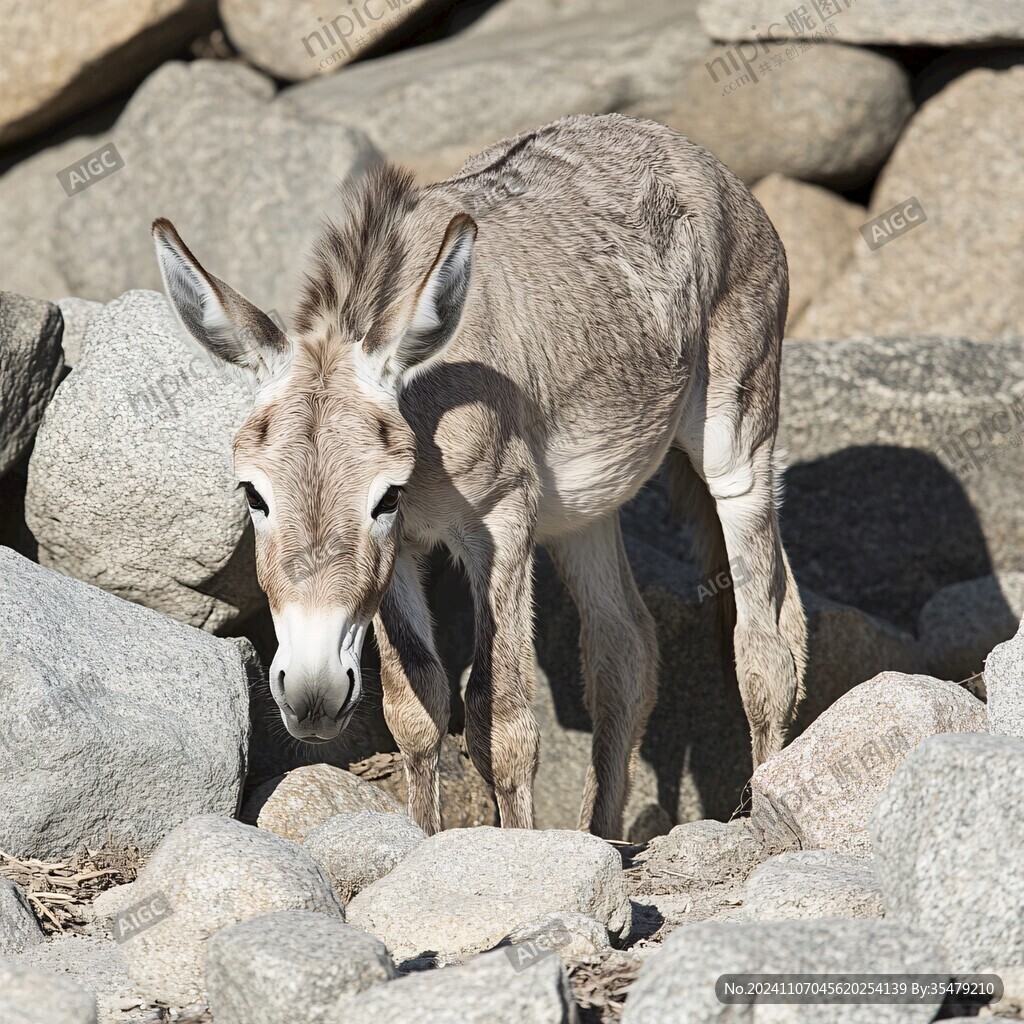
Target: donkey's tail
x=692, y=501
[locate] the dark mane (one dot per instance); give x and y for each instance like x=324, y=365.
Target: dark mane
x=357, y=259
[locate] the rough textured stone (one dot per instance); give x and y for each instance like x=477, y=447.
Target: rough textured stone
x=813, y=883
x=942, y=834
x=356, y=849
x=31, y=363
x=208, y=873
x=295, y=804
x=935, y=426
x=77, y=314
x=820, y=790
x=678, y=981
x=1004, y=686
x=699, y=854
x=838, y=111
x=32, y=996
x=818, y=229
x=413, y=104
x=18, y=925
x=139, y=435
x=301, y=40
x=250, y=187
x=962, y=158
x=963, y=622
x=270, y=968
x=67, y=59
x=883, y=22
x=95, y=963
x=461, y=891
x=115, y=720
x=576, y=938
x=485, y=991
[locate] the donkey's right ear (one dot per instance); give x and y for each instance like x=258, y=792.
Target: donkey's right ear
x=224, y=322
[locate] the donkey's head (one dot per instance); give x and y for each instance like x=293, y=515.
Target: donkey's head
x=325, y=452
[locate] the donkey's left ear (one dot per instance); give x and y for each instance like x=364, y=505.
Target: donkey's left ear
x=437, y=309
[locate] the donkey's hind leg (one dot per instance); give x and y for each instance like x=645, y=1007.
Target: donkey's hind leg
x=619, y=651
x=770, y=634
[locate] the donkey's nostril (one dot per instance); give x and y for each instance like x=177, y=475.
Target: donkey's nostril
x=351, y=678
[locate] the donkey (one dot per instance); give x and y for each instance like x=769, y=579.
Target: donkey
x=488, y=363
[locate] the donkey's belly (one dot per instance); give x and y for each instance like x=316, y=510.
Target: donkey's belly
x=586, y=478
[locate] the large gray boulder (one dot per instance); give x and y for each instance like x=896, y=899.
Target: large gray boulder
x=1004, y=686
x=77, y=314
x=461, y=891
x=903, y=474
x=678, y=982
x=29, y=995
x=31, y=364
x=413, y=104
x=130, y=483
x=819, y=791
x=487, y=990
x=288, y=966
x=18, y=925
x=944, y=836
x=836, y=111
x=881, y=22
x=115, y=720
x=96, y=53
x=245, y=183
x=813, y=883
x=209, y=873
x=295, y=41
x=962, y=159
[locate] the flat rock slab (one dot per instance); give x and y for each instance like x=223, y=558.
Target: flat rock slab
x=487, y=990
x=894, y=22
x=819, y=791
x=209, y=873
x=290, y=965
x=945, y=833
x=813, y=883
x=463, y=890
x=678, y=982
x=115, y=720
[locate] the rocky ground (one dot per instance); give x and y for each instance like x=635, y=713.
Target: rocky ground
x=168, y=854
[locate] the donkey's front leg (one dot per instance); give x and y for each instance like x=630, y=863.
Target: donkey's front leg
x=416, y=694
x=501, y=733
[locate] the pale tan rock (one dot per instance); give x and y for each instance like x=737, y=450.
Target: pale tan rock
x=818, y=229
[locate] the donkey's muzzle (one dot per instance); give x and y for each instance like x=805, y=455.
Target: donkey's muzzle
x=315, y=677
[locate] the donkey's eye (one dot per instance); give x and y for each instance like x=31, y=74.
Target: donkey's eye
x=256, y=502
x=389, y=502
